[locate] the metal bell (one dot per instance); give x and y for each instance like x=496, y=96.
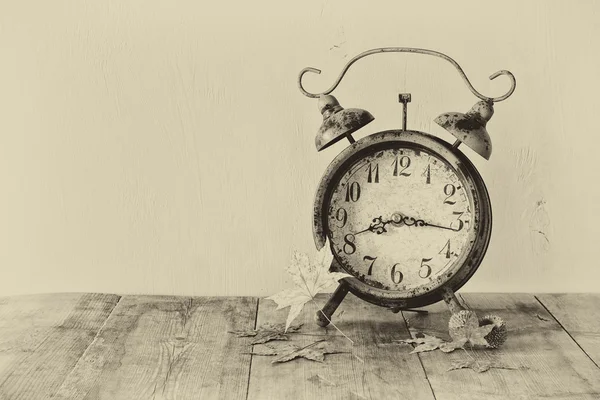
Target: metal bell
x=470, y=128
x=338, y=123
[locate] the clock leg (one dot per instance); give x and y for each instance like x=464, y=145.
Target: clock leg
x=323, y=317
x=452, y=302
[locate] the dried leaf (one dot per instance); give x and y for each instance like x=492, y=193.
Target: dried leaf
x=266, y=333
x=462, y=323
x=315, y=351
x=481, y=367
x=460, y=365
x=467, y=332
x=477, y=366
x=464, y=327
x=477, y=336
x=449, y=347
x=266, y=350
x=309, y=280
x=424, y=343
x=265, y=337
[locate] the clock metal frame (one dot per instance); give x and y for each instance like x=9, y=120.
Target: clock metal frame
x=462, y=269
x=468, y=128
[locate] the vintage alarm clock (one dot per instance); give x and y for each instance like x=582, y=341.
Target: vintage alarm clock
x=405, y=213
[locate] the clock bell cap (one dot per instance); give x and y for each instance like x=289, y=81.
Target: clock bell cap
x=470, y=128
x=338, y=123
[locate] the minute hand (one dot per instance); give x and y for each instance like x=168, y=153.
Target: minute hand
x=443, y=227
x=410, y=221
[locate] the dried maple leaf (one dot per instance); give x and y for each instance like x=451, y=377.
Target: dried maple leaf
x=464, y=328
x=267, y=350
x=477, y=336
x=266, y=333
x=315, y=351
x=477, y=366
x=309, y=280
x=424, y=343
x=449, y=347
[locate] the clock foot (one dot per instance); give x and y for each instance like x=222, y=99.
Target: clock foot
x=452, y=301
x=323, y=317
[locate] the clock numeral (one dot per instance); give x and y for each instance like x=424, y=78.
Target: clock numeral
x=396, y=275
x=449, y=190
x=349, y=246
x=446, y=249
x=461, y=223
x=373, y=177
x=427, y=174
x=403, y=162
x=342, y=216
x=353, y=192
x=425, y=269
x=372, y=259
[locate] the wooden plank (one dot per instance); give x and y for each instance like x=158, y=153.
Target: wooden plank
x=155, y=347
x=549, y=363
x=373, y=368
x=43, y=336
x=579, y=314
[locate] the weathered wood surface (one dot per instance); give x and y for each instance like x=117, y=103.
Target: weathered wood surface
x=43, y=336
x=154, y=347
x=580, y=316
x=373, y=368
x=549, y=364
x=95, y=346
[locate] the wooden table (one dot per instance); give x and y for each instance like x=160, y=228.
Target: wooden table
x=105, y=346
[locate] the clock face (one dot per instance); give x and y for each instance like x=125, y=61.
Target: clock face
x=401, y=218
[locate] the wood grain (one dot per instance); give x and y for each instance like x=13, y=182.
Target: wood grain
x=155, y=347
x=372, y=368
x=579, y=314
x=43, y=336
x=97, y=346
x=549, y=364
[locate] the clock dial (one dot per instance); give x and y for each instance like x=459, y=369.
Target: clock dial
x=399, y=218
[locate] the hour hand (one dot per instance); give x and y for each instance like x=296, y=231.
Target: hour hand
x=377, y=226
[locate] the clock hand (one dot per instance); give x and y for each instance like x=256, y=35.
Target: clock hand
x=443, y=227
x=409, y=221
x=378, y=224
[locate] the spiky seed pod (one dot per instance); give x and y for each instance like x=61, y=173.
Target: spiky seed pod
x=462, y=322
x=498, y=334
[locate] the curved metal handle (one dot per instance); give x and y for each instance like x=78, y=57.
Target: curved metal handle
x=410, y=50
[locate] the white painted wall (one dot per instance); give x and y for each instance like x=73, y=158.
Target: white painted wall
x=163, y=147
